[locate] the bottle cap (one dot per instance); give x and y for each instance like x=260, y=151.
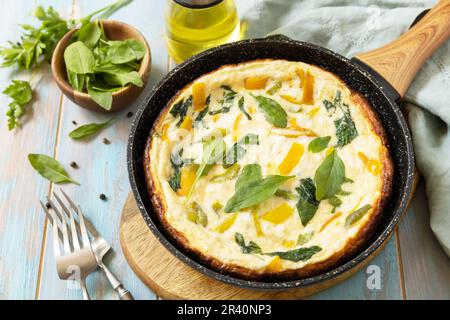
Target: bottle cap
x=198, y=4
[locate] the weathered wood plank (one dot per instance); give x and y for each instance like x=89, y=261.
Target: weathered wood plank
x=103, y=167
x=425, y=265
x=357, y=288
x=22, y=222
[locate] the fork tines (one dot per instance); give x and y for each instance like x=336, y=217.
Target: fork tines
x=72, y=233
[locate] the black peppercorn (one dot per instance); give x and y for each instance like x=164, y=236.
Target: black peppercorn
x=103, y=197
x=74, y=165
x=129, y=114
x=106, y=141
x=74, y=123
x=48, y=205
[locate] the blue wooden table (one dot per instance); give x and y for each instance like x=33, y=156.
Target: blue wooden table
x=411, y=266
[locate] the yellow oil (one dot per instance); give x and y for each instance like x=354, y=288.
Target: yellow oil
x=190, y=31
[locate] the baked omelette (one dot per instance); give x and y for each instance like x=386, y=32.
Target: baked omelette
x=269, y=169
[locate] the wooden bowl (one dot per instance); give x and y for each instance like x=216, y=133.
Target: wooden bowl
x=114, y=30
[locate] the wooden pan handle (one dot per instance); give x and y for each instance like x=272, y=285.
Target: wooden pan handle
x=399, y=61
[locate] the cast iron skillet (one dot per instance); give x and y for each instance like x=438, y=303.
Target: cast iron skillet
x=396, y=64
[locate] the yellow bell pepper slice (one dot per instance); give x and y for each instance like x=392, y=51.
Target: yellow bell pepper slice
x=275, y=264
x=292, y=158
x=291, y=99
x=257, y=223
x=164, y=129
x=288, y=243
x=227, y=224
x=187, y=123
x=198, y=96
x=255, y=83
x=236, y=123
x=334, y=217
x=308, y=88
x=372, y=165
x=302, y=131
x=188, y=174
x=313, y=112
x=279, y=214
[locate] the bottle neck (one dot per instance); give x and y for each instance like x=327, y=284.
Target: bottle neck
x=198, y=4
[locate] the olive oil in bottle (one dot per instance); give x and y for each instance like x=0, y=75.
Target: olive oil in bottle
x=193, y=26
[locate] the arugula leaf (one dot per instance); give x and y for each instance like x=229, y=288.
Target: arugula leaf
x=273, y=111
x=242, y=108
x=237, y=151
x=307, y=204
x=49, y=168
x=301, y=254
x=275, y=88
x=21, y=94
x=251, y=190
x=319, y=144
x=180, y=109
x=332, y=106
x=88, y=129
x=79, y=58
x=357, y=215
x=329, y=176
x=252, y=247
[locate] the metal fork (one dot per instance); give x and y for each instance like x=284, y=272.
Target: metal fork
x=99, y=246
x=75, y=256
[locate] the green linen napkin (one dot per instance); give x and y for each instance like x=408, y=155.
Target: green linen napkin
x=351, y=27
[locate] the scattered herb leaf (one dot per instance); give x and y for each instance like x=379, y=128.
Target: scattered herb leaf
x=88, y=129
x=50, y=168
x=242, y=108
x=303, y=238
x=275, y=88
x=21, y=94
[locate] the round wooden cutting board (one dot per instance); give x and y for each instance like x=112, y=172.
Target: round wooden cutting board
x=171, y=278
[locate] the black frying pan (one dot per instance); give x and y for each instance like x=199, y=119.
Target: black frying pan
x=396, y=64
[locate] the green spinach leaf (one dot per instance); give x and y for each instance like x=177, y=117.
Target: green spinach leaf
x=329, y=176
x=346, y=130
x=49, y=168
x=273, y=111
x=176, y=161
x=274, y=89
x=319, y=144
x=255, y=192
x=123, y=79
x=89, y=129
x=237, y=151
x=180, y=109
x=301, y=254
x=79, y=58
x=120, y=52
x=251, y=248
x=90, y=34
x=307, y=204
x=242, y=108
x=102, y=98
x=250, y=173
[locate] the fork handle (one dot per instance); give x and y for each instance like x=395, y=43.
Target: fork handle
x=123, y=293
x=84, y=290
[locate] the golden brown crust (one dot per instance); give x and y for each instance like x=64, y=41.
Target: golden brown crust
x=347, y=252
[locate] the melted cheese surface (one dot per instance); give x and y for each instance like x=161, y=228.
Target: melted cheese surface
x=273, y=224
